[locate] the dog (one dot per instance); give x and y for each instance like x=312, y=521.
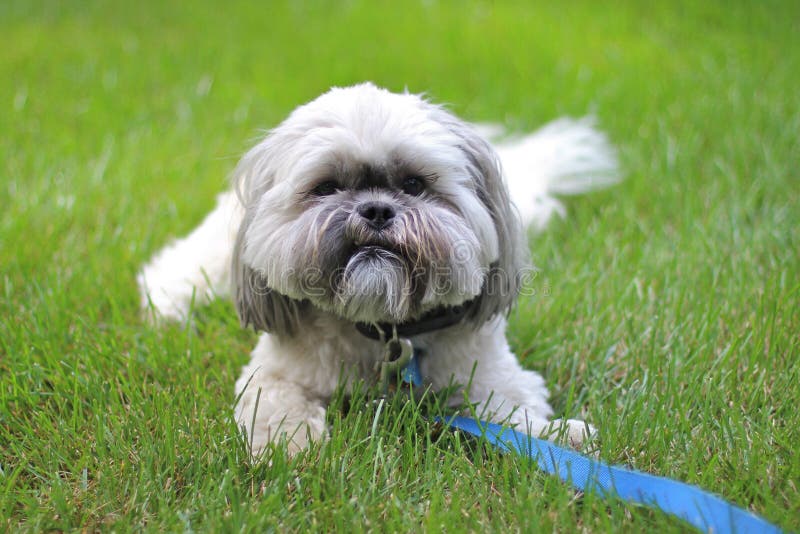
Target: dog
x=366, y=216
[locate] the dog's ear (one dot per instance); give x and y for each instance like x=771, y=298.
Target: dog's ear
x=257, y=304
x=260, y=306
x=502, y=284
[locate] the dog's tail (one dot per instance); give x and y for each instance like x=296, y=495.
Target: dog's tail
x=565, y=157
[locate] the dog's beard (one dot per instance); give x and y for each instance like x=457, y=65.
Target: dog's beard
x=375, y=279
x=427, y=257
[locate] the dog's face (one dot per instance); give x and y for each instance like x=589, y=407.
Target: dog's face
x=374, y=206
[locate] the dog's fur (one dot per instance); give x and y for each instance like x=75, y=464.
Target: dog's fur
x=369, y=206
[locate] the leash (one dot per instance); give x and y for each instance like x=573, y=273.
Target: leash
x=697, y=507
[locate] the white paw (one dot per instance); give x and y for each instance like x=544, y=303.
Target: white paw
x=573, y=432
x=297, y=431
x=159, y=305
x=296, y=440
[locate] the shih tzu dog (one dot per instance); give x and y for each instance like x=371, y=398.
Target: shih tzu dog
x=369, y=215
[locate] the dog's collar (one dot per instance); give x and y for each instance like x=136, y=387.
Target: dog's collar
x=436, y=319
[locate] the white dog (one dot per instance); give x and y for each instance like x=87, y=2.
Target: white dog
x=368, y=213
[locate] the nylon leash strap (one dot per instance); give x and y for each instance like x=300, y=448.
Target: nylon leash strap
x=697, y=507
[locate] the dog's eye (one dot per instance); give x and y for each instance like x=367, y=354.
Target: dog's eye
x=413, y=185
x=326, y=188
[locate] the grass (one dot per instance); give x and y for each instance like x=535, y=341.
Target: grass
x=668, y=307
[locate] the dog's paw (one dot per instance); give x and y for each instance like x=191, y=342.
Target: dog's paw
x=159, y=306
x=575, y=433
x=295, y=442
x=160, y=314
x=295, y=434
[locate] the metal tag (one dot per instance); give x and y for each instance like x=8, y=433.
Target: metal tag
x=397, y=354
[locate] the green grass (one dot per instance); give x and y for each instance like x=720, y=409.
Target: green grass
x=668, y=311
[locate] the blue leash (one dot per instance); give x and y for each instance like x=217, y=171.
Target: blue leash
x=697, y=507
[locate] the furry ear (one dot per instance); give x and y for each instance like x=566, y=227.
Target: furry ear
x=257, y=304
x=503, y=280
x=261, y=307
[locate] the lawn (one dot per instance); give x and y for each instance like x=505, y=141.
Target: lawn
x=668, y=313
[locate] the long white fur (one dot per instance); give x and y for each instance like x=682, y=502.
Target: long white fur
x=195, y=268
x=284, y=388
x=565, y=157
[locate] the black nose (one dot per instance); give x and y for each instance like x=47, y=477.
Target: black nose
x=379, y=215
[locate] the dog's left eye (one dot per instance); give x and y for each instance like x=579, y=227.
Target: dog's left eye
x=413, y=186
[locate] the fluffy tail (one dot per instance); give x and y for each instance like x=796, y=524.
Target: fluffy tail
x=565, y=157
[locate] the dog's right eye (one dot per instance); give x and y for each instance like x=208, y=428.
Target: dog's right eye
x=326, y=188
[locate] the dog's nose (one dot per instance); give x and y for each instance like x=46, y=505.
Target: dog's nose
x=379, y=215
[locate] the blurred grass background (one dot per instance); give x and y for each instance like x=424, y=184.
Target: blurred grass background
x=668, y=306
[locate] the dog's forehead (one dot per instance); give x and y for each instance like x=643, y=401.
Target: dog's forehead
x=366, y=100
x=370, y=136
x=359, y=174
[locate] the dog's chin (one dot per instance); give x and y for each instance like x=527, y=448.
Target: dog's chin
x=375, y=286
x=380, y=285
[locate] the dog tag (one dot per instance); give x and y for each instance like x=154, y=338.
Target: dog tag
x=397, y=354
x=398, y=350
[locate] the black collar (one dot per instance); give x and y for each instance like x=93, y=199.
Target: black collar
x=436, y=319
